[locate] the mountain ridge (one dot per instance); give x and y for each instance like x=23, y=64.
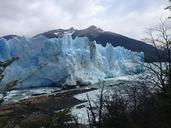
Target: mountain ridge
x=103, y=37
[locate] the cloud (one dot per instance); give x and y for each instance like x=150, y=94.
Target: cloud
x=29, y=17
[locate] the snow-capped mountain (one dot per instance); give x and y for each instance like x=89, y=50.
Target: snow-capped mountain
x=102, y=37
x=8, y=37
x=62, y=61
x=92, y=30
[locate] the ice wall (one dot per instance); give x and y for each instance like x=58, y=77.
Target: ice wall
x=64, y=61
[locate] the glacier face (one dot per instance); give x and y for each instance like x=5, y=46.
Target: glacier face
x=64, y=61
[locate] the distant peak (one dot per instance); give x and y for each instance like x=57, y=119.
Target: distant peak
x=94, y=28
x=8, y=37
x=72, y=28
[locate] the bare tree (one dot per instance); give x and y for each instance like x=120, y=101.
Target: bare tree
x=95, y=110
x=160, y=38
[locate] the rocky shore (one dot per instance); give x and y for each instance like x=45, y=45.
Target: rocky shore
x=38, y=108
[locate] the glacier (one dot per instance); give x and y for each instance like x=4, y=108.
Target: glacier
x=64, y=61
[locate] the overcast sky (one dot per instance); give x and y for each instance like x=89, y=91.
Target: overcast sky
x=127, y=17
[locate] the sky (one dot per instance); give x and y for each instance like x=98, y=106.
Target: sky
x=127, y=17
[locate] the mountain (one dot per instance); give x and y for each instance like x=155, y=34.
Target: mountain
x=8, y=37
x=102, y=37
